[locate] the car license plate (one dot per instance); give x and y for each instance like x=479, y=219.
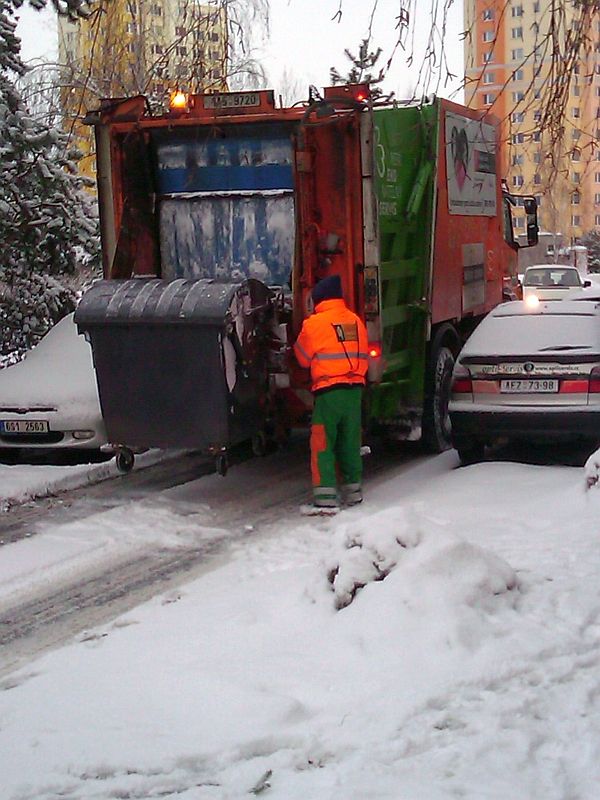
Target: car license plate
x=24, y=426
x=232, y=100
x=529, y=386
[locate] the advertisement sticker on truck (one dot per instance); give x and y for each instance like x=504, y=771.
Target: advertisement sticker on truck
x=471, y=166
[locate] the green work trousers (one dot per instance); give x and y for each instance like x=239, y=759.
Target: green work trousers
x=335, y=441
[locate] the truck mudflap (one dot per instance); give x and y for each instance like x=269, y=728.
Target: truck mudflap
x=179, y=364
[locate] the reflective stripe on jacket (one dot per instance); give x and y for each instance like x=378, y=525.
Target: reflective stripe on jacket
x=333, y=343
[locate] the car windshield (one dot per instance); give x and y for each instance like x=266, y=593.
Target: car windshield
x=549, y=277
x=528, y=334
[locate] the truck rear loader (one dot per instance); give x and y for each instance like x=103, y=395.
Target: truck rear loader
x=219, y=217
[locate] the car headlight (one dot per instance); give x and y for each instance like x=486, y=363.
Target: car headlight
x=532, y=301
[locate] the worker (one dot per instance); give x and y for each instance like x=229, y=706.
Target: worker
x=333, y=343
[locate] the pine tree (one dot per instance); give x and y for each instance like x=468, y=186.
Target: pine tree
x=48, y=222
x=361, y=70
x=592, y=241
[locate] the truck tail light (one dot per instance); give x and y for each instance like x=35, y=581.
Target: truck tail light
x=594, y=387
x=461, y=381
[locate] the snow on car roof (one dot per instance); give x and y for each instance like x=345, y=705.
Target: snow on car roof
x=59, y=370
x=515, y=329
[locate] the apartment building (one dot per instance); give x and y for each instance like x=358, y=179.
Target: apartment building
x=512, y=72
x=129, y=47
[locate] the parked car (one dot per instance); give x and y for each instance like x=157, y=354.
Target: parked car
x=528, y=373
x=551, y=281
x=49, y=400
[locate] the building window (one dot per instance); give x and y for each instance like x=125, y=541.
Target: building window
x=575, y=198
x=518, y=180
x=575, y=220
x=488, y=57
x=575, y=112
x=517, y=55
x=597, y=220
x=536, y=136
x=518, y=116
x=597, y=177
x=575, y=133
x=214, y=37
x=488, y=99
x=516, y=33
x=536, y=8
x=181, y=50
x=156, y=49
x=156, y=10
x=576, y=90
x=537, y=115
x=488, y=36
x=517, y=160
x=517, y=75
x=597, y=199
x=488, y=14
x=537, y=157
x=537, y=179
x=517, y=11
x=518, y=138
x=488, y=77
x=538, y=199
x=575, y=177
x=180, y=30
x=517, y=96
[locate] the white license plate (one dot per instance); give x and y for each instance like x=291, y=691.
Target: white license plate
x=232, y=100
x=24, y=426
x=529, y=385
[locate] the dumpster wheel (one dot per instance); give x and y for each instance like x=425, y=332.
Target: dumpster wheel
x=260, y=444
x=222, y=464
x=125, y=460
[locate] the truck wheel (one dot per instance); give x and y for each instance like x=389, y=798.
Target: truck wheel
x=470, y=451
x=436, y=419
x=125, y=460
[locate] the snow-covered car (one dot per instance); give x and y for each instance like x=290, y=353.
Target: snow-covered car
x=50, y=399
x=528, y=373
x=550, y=281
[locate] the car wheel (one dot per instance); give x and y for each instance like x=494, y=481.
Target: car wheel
x=470, y=451
x=436, y=419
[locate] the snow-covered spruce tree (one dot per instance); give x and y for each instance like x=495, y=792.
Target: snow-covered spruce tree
x=592, y=241
x=48, y=223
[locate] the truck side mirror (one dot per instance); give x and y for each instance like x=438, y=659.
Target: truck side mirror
x=530, y=206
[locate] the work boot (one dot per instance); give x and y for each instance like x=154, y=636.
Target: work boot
x=352, y=494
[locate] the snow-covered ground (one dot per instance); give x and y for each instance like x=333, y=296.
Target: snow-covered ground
x=467, y=666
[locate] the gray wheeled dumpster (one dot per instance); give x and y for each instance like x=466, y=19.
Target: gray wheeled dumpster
x=179, y=364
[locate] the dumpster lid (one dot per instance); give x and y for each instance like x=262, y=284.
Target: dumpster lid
x=178, y=302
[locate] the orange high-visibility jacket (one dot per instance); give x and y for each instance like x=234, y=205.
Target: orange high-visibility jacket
x=333, y=343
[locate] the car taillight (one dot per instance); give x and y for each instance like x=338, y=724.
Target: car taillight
x=461, y=381
x=594, y=381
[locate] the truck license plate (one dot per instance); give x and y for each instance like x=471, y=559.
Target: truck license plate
x=24, y=426
x=232, y=100
x=529, y=386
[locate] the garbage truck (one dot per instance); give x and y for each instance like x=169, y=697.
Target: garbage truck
x=220, y=215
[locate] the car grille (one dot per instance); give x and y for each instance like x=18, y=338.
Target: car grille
x=52, y=437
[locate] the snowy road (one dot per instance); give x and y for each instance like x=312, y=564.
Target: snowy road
x=107, y=573
x=467, y=666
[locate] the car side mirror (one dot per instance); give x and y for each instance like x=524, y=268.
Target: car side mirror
x=587, y=284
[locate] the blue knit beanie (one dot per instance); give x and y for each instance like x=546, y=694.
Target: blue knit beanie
x=330, y=288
